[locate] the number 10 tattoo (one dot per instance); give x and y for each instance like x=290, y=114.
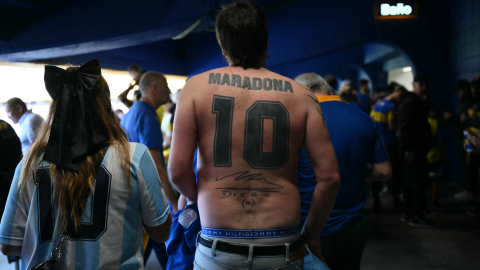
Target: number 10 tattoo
x=255, y=118
x=254, y=152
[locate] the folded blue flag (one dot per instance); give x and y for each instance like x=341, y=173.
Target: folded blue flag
x=310, y=262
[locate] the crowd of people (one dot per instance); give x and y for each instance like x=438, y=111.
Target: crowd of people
x=246, y=169
x=411, y=128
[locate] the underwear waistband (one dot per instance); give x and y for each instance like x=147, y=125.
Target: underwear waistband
x=251, y=234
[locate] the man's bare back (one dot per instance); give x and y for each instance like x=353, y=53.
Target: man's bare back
x=250, y=126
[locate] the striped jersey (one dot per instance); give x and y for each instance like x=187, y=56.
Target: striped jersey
x=111, y=234
x=383, y=111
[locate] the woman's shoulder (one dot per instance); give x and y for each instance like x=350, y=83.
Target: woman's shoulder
x=134, y=148
x=138, y=148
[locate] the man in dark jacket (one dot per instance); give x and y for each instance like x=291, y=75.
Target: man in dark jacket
x=414, y=138
x=11, y=154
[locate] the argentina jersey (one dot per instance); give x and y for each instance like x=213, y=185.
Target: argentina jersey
x=382, y=112
x=111, y=233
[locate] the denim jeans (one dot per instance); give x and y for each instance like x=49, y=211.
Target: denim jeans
x=204, y=260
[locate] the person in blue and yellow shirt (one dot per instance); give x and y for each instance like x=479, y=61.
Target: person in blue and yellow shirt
x=384, y=115
x=356, y=143
x=457, y=119
x=364, y=96
x=435, y=156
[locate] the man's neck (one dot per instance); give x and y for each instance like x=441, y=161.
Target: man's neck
x=22, y=117
x=321, y=93
x=149, y=101
x=263, y=65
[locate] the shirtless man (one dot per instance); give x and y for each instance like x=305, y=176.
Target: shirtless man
x=250, y=125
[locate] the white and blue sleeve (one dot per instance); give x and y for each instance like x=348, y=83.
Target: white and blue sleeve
x=14, y=220
x=154, y=205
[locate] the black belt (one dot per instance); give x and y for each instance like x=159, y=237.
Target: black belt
x=257, y=250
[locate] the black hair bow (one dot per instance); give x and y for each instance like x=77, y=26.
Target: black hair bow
x=77, y=130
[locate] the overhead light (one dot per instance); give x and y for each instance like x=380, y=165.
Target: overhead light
x=407, y=69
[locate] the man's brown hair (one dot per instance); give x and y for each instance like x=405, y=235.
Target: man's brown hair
x=14, y=102
x=242, y=31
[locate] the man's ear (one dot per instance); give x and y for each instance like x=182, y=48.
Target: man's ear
x=19, y=108
x=153, y=89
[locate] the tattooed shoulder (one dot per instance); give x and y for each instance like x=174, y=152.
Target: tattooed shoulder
x=323, y=117
x=308, y=89
x=318, y=107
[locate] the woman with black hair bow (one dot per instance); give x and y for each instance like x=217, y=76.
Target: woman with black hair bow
x=82, y=195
